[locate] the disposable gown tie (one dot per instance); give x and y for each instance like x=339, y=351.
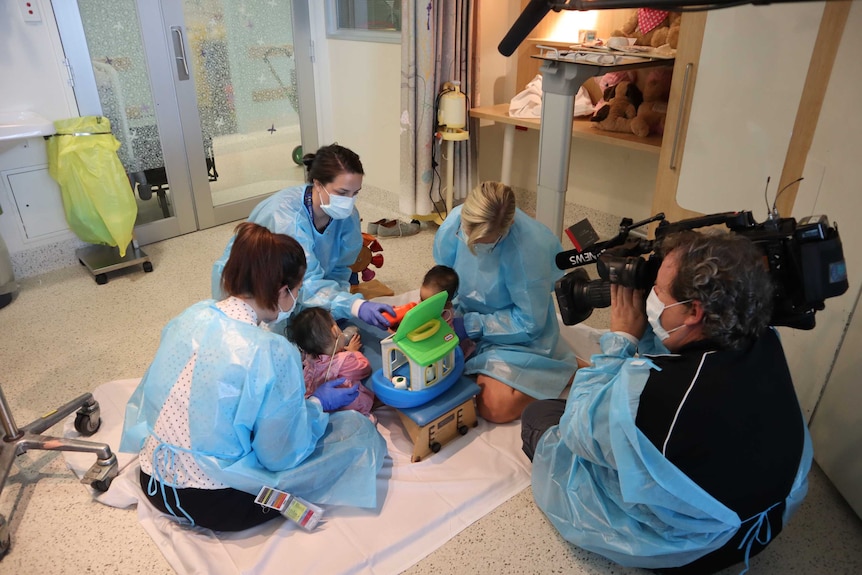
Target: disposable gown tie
x=97, y=196
x=607, y=489
x=249, y=421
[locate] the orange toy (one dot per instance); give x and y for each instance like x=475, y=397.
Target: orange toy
x=400, y=311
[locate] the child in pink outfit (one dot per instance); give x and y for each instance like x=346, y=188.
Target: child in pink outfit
x=329, y=353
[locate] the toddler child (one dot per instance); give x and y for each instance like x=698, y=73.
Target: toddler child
x=329, y=353
x=443, y=278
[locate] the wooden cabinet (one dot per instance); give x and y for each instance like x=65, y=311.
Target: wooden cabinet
x=676, y=124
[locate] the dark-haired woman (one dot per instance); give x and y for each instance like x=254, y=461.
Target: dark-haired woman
x=221, y=412
x=322, y=217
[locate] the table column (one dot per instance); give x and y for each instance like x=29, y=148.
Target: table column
x=560, y=83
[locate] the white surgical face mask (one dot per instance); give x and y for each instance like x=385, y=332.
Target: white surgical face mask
x=284, y=314
x=480, y=249
x=654, y=309
x=339, y=207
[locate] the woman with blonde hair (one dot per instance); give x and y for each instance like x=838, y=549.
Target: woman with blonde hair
x=505, y=262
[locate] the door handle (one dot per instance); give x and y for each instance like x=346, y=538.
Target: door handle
x=682, y=102
x=180, y=53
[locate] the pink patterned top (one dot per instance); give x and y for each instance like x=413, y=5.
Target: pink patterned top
x=348, y=364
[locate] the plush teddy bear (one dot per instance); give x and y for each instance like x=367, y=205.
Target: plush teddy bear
x=651, y=27
x=652, y=112
x=623, y=100
x=673, y=31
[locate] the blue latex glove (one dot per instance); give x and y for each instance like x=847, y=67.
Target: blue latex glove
x=372, y=313
x=332, y=397
x=458, y=326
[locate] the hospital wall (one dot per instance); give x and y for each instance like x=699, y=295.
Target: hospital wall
x=359, y=100
x=366, y=99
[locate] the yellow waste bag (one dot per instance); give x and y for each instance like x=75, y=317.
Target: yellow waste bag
x=97, y=196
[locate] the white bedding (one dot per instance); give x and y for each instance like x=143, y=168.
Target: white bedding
x=422, y=505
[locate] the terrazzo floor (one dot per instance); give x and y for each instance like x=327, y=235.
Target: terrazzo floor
x=65, y=335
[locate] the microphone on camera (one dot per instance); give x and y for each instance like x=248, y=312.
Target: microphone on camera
x=577, y=258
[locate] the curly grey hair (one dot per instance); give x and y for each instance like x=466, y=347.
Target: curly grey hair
x=728, y=275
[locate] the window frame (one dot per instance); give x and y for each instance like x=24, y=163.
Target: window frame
x=336, y=33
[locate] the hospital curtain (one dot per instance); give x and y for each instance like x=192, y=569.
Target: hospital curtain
x=439, y=40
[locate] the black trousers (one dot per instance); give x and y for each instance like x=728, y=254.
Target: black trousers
x=537, y=418
x=216, y=509
x=541, y=415
x=730, y=553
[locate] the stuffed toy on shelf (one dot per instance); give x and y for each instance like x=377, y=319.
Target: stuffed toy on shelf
x=651, y=27
x=653, y=110
x=623, y=100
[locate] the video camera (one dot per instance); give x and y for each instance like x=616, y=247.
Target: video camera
x=805, y=259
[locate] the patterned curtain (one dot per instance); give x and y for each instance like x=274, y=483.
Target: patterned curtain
x=439, y=40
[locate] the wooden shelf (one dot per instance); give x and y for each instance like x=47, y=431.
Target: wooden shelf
x=582, y=129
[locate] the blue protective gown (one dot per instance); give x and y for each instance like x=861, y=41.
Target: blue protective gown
x=607, y=489
x=506, y=298
x=329, y=254
x=250, y=423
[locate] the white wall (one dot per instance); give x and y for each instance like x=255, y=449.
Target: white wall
x=365, y=89
x=603, y=177
x=833, y=173
x=496, y=72
x=359, y=100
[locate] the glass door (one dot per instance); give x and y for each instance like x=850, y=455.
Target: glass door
x=204, y=97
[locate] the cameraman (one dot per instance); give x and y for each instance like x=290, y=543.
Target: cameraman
x=692, y=459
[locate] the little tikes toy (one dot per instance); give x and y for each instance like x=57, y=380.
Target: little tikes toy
x=421, y=360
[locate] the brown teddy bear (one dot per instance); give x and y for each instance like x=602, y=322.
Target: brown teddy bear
x=623, y=100
x=673, y=32
x=652, y=112
x=651, y=27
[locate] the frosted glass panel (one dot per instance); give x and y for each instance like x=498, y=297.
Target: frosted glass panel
x=241, y=57
x=117, y=54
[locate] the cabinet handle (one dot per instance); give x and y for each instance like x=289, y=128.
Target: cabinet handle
x=180, y=53
x=682, y=101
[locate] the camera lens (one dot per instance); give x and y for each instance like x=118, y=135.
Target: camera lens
x=577, y=296
x=596, y=293
x=628, y=271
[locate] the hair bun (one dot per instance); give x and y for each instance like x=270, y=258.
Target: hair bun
x=308, y=159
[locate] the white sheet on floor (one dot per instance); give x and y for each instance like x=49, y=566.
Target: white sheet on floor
x=421, y=505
